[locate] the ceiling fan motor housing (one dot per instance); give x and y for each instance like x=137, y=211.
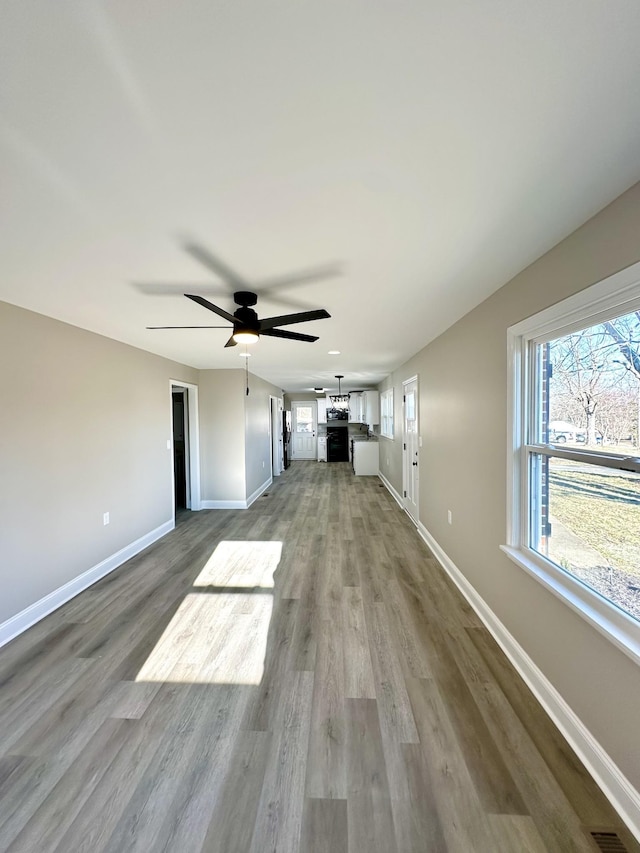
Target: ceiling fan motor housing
x=247, y=318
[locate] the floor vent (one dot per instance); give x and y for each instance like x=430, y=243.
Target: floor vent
x=608, y=841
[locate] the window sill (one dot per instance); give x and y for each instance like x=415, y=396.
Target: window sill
x=616, y=625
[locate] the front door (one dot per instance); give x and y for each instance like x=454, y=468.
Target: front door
x=304, y=429
x=410, y=448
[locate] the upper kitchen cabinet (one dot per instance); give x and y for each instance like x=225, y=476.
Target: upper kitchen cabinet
x=370, y=408
x=322, y=410
x=356, y=408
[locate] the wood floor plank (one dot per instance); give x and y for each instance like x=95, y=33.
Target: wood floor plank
x=232, y=823
x=465, y=823
x=396, y=714
x=102, y=811
x=552, y=812
x=359, y=680
x=324, y=826
x=297, y=677
x=416, y=818
x=370, y=819
x=279, y=815
x=494, y=784
x=326, y=765
x=587, y=799
x=47, y=825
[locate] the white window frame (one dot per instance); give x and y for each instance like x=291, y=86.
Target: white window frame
x=386, y=413
x=616, y=295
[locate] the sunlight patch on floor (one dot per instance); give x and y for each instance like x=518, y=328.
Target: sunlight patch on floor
x=241, y=564
x=218, y=635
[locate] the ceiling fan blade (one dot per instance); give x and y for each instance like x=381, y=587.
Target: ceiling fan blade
x=211, y=307
x=186, y=327
x=231, y=343
x=301, y=277
x=288, y=319
x=172, y=288
x=290, y=336
x=209, y=260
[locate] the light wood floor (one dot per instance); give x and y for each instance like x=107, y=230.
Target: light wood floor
x=299, y=676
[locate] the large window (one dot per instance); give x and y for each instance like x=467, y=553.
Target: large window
x=574, y=457
x=386, y=413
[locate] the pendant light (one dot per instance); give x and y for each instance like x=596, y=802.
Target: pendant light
x=339, y=401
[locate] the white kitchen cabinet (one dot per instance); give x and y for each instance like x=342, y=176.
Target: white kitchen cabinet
x=322, y=448
x=366, y=457
x=371, y=408
x=322, y=410
x=356, y=413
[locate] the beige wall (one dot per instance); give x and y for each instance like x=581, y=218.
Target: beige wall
x=463, y=421
x=221, y=396
x=84, y=424
x=258, y=433
x=235, y=453
x=390, y=449
x=291, y=398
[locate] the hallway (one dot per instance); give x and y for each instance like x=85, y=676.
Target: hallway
x=298, y=676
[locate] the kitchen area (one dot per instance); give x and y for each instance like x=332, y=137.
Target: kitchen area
x=345, y=424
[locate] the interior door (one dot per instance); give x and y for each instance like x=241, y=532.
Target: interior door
x=411, y=441
x=180, y=449
x=304, y=430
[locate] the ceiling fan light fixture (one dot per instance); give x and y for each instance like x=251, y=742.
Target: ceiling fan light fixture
x=245, y=336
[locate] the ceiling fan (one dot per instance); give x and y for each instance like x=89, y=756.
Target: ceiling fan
x=247, y=327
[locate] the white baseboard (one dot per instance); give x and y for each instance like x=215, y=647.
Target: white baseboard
x=38, y=610
x=223, y=504
x=390, y=489
x=616, y=787
x=259, y=491
x=238, y=504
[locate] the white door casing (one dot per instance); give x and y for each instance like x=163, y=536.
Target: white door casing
x=304, y=429
x=411, y=441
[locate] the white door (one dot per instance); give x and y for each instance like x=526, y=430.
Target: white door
x=410, y=445
x=303, y=430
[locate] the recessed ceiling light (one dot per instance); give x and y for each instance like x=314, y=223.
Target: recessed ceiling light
x=334, y=352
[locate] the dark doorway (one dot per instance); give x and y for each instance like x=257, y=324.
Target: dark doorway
x=178, y=398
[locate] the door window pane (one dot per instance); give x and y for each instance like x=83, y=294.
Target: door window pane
x=304, y=419
x=410, y=411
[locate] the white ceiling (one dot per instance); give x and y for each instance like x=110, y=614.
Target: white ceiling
x=432, y=149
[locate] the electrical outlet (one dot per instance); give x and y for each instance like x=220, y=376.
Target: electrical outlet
x=449, y=516
x=168, y=444
x=105, y=519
